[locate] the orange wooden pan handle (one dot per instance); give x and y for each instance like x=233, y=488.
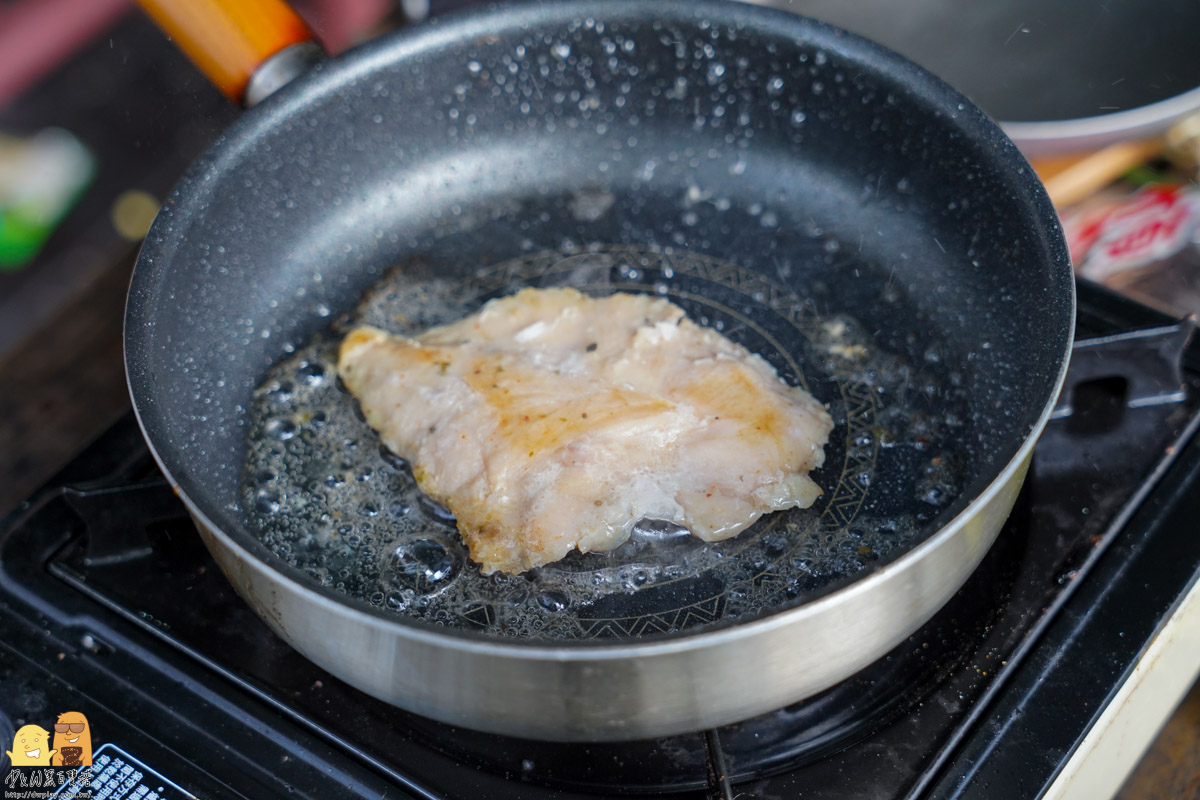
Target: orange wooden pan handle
x=229, y=39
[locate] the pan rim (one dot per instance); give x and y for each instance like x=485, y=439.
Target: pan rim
x=1056, y=137
x=364, y=61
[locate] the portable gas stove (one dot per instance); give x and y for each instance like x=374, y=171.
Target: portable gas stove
x=1045, y=675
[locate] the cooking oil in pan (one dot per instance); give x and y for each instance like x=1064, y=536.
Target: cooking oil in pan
x=324, y=495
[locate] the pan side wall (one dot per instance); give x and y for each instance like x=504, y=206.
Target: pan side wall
x=617, y=694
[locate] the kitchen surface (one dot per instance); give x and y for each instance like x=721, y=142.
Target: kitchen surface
x=1062, y=669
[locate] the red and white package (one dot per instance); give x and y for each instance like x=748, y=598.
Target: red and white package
x=1146, y=245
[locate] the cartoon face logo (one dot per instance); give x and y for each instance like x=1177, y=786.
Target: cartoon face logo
x=72, y=741
x=31, y=747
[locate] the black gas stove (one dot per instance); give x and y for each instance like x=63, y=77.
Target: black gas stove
x=110, y=606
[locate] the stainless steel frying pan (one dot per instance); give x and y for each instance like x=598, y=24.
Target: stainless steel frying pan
x=797, y=186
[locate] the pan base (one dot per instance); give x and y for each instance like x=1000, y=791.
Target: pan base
x=322, y=495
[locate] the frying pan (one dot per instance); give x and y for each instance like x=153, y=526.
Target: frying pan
x=820, y=199
x=1064, y=78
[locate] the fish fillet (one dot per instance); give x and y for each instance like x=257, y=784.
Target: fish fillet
x=550, y=421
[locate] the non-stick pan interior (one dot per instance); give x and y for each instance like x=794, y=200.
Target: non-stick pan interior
x=826, y=203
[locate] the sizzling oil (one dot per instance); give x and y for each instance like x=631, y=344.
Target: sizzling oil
x=326, y=497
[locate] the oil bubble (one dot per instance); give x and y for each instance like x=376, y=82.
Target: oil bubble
x=281, y=429
x=281, y=391
x=552, y=600
x=312, y=373
x=268, y=501
x=422, y=565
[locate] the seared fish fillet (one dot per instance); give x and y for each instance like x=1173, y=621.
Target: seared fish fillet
x=550, y=421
